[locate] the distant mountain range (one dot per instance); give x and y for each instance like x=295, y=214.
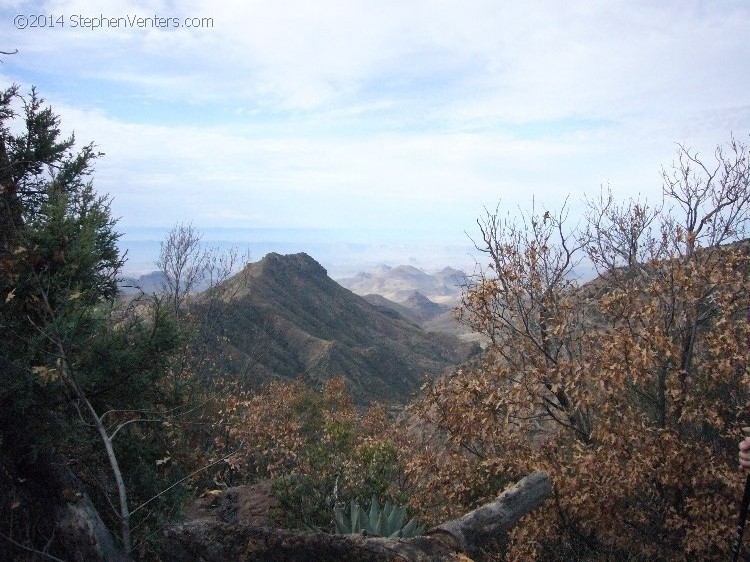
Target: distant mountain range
x=148, y=283
x=425, y=299
x=399, y=283
x=287, y=318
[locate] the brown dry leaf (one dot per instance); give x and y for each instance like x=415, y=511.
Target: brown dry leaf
x=47, y=374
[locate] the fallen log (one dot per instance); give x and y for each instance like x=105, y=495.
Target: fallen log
x=476, y=528
x=214, y=541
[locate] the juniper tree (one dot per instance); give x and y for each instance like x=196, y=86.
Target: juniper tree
x=79, y=368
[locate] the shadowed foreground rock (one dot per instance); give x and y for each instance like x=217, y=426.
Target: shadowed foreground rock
x=215, y=541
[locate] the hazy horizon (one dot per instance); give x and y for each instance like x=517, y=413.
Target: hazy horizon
x=342, y=254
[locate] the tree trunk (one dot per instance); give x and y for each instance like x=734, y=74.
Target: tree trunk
x=111, y=456
x=79, y=533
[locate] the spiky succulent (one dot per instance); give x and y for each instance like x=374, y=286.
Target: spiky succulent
x=387, y=521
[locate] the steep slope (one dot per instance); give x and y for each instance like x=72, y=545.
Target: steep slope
x=287, y=318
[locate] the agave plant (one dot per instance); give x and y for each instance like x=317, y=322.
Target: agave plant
x=387, y=521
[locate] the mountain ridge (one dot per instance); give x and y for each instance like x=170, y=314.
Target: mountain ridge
x=287, y=318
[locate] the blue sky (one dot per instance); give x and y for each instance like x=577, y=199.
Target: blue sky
x=382, y=121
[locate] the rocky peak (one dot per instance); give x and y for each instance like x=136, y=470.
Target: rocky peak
x=300, y=265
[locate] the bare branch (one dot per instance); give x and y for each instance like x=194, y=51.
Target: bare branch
x=29, y=549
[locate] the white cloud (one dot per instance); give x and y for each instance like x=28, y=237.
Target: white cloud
x=357, y=112
x=510, y=60
x=160, y=174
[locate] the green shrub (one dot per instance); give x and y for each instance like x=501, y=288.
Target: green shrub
x=387, y=521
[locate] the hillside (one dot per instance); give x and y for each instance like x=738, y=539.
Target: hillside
x=287, y=318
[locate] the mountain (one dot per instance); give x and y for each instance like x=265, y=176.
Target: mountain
x=424, y=307
x=393, y=309
x=148, y=283
x=286, y=318
x=416, y=308
x=399, y=283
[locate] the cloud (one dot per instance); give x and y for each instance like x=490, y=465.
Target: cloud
x=161, y=174
x=505, y=60
x=383, y=114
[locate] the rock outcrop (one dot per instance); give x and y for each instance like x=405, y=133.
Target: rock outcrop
x=214, y=540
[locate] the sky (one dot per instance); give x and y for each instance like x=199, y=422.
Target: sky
x=385, y=125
